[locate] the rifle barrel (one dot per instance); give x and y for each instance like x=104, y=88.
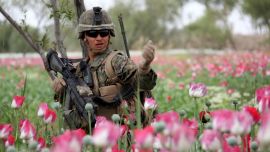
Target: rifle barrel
x=123, y=34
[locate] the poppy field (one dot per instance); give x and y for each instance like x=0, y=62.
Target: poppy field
x=211, y=103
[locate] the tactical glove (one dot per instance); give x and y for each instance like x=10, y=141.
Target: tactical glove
x=58, y=84
x=148, y=56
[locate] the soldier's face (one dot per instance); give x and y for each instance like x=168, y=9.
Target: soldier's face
x=97, y=41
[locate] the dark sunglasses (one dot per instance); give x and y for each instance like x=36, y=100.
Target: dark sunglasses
x=94, y=34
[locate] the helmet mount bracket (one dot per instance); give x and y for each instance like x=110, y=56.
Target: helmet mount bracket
x=98, y=16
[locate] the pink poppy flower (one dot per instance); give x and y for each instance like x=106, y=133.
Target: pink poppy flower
x=181, y=86
x=223, y=83
x=114, y=149
x=263, y=98
x=213, y=69
x=253, y=112
x=168, y=117
x=246, y=141
x=226, y=147
x=106, y=134
x=161, y=75
x=124, y=104
x=240, y=69
x=100, y=120
x=237, y=123
x=9, y=141
x=49, y=116
x=124, y=129
x=183, y=138
x=211, y=140
x=264, y=105
x=263, y=134
x=261, y=92
x=242, y=123
x=135, y=149
x=150, y=103
x=144, y=138
x=192, y=124
x=41, y=143
x=69, y=141
x=42, y=109
x=222, y=120
x=230, y=91
x=171, y=120
x=27, y=130
x=5, y=130
x=169, y=98
x=197, y=90
x=17, y=101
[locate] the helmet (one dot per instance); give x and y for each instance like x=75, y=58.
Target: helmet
x=95, y=19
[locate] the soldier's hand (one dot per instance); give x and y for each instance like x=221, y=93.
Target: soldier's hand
x=58, y=84
x=148, y=56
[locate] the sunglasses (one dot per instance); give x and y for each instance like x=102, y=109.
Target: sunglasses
x=94, y=34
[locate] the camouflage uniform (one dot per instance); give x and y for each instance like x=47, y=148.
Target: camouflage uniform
x=108, y=83
x=127, y=74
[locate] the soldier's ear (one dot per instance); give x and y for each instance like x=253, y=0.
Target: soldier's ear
x=85, y=40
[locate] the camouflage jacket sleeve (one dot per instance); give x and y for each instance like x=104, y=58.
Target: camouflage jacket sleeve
x=125, y=69
x=148, y=80
x=128, y=73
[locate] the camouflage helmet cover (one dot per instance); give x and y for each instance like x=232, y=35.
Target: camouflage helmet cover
x=95, y=19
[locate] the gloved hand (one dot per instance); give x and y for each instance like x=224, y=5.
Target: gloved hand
x=58, y=84
x=148, y=56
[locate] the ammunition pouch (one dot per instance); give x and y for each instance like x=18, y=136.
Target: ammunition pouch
x=107, y=93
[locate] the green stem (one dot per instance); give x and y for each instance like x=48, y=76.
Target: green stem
x=2, y=146
x=119, y=139
x=138, y=111
x=47, y=134
x=196, y=109
x=151, y=115
x=138, y=105
x=24, y=86
x=89, y=120
x=125, y=141
x=195, y=146
x=119, y=143
x=196, y=116
x=255, y=82
x=16, y=125
x=59, y=120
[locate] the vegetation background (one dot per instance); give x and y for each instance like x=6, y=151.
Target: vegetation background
x=156, y=20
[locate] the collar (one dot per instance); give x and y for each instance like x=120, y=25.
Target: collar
x=99, y=59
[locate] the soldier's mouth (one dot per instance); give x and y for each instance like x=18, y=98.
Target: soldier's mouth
x=99, y=44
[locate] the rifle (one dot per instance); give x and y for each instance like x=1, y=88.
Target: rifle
x=63, y=66
x=123, y=34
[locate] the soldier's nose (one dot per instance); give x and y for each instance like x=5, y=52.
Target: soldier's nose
x=98, y=36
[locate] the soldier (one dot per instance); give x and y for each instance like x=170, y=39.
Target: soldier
x=114, y=77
